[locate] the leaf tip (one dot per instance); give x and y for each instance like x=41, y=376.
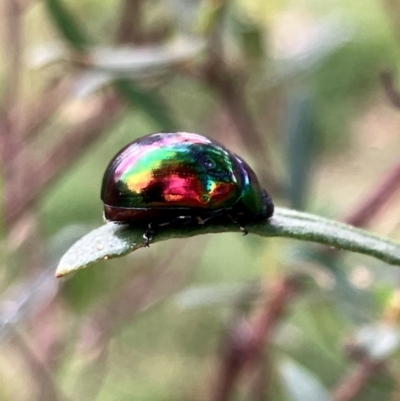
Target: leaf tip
x=62, y=271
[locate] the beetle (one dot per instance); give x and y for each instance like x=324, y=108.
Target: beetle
x=173, y=178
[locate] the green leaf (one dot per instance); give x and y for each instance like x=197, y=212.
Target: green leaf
x=149, y=102
x=66, y=24
x=113, y=240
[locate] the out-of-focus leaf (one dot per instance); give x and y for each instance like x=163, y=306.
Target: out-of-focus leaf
x=113, y=240
x=148, y=101
x=45, y=54
x=103, y=65
x=136, y=64
x=300, y=384
x=305, y=47
x=67, y=24
x=300, y=136
x=143, y=61
x=90, y=82
x=379, y=341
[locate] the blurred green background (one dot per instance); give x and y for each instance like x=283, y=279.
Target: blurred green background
x=304, y=90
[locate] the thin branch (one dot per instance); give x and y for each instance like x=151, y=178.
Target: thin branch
x=130, y=26
x=13, y=54
x=13, y=18
x=353, y=383
x=390, y=89
x=247, y=340
x=373, y=202
x=131, y=31
x=10, y=144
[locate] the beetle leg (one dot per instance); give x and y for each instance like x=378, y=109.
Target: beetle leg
x=237, y=220
x=243, y=229
x=201, y=221
x=148, y=235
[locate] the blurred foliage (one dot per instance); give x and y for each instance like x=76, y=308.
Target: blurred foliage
x=308, y=72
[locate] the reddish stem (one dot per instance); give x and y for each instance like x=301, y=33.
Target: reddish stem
x=353, y=383
x=247, y=340
x=376, y=199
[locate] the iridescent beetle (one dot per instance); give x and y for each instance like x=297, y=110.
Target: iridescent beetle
x=178, y=177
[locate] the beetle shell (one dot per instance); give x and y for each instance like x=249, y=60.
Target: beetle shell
x=165, y=176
